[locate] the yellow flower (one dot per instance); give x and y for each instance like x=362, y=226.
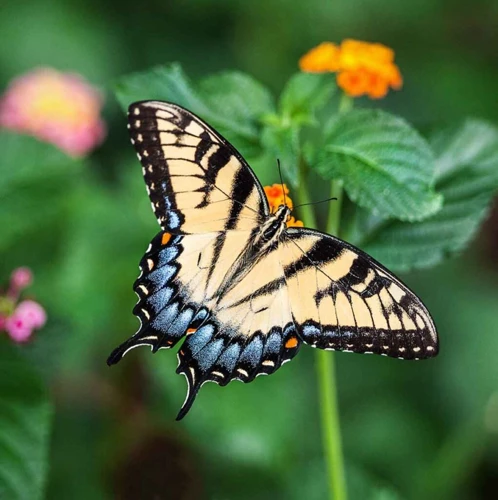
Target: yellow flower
x=278, y=195
x=362, y=68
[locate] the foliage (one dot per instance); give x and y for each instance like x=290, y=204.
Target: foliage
x=25, y=415
x=467, y=178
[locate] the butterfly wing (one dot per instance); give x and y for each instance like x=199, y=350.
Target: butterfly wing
x=209, y=204
x=342, y=299
x=196, y=181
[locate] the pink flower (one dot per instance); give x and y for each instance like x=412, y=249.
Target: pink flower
x=31, y=312
x=27, y=316
x=18, y=328
x=21, y=278
x=60, y=108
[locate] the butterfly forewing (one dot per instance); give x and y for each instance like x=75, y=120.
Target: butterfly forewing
x=196, y=181
x=245, y=308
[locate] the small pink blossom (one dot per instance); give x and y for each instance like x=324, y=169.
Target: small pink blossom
x=18, y=328
x=60, y=108
x=32, y=313
x=21, y=278
x=19, y=319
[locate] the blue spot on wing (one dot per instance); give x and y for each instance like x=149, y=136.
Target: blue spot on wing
x=207, y=357
x=201, y=315
x=173, y=220
x=229, y=358
x=163, y=320
x=310, y=331
x=161, y=275
x=167, y=255
x=167, y=202
x=160, y=299
x=180, y=324
x=273, y=344
x=289, y=330
x=199, y=339
x=252, y=353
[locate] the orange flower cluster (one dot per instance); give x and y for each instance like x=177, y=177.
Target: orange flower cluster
x=362, y=68
x=277, y=195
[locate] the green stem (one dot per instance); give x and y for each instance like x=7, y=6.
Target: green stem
x=345, y=104
x=334, y=216
x=327, y=387
x=331, y=428
x=307, y=213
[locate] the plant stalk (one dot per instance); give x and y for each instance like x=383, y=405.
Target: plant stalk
x=327, y=387
x=334, y=215
x=306, y=210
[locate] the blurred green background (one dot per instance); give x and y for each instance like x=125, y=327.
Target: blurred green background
x=410, y=430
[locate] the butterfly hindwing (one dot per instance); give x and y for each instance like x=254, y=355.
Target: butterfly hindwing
x=163, y=307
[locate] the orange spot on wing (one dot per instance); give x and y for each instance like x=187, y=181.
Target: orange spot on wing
x=165, y=239
x=191, y=330
x=291, y=343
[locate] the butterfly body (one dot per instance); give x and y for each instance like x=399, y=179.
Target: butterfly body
x=243, y=289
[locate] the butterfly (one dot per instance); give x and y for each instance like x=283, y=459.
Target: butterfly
x=242, y=288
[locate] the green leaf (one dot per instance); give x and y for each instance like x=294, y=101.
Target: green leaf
x=467, y=176
x=237, y=99
x=283, y=144
x=231, y=102
x=35, y=181
x=386, y=166
x=25, y=418
x=164, y=83
x=237, y=102
x=27, y=160
x=303, y=94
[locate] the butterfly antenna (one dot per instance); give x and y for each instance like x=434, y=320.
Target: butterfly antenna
x=315, y=202
x=281, y=180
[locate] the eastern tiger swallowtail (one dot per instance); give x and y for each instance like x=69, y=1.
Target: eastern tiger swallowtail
x=245, y=289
